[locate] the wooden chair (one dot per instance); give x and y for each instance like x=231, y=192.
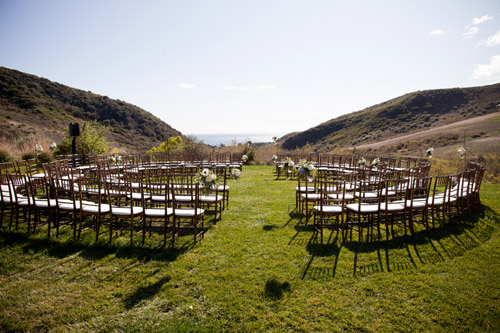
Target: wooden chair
x=330, y=211
x=366, y=211
x=187, y=213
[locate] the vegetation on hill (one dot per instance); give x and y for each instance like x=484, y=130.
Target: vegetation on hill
x=405, y=114
x=31, y=106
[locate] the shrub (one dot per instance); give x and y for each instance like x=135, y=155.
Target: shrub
x=44, y=157
x=5, y=157
x=28, y=156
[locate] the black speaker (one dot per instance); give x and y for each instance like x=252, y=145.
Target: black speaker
x=74, y=129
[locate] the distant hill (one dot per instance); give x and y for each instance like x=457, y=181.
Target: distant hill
x=406, y=114
x=31, y=105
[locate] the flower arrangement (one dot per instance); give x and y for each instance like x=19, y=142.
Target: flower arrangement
x=235, y=174
x=53, y=146
x=274, y=158
x=114, y=159
x=429, y=152
x=362, y=162
x=207, y=180
x=306, y=170
x=244, y=158
x=288, y=165
x=38, y=148
x=376, y=162
x=461, y=152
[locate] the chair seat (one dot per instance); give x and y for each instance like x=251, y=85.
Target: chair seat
x=392, y=207
x=331, y=209
x=311, y=196
x=222, y=188
x=160, y=198
x=127, y=211
x=210, y=198
x=364, y=208
x=93, y=208
x=304, y=189
x=338, y=196
x=45, y=203
x=138, y=196
x=366, y=195
x=189, y=212
x=184, y=198
x=158, y=212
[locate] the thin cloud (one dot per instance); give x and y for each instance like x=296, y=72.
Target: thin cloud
x=471, y=32
x=487, y=70
x=185, y=85
x=250, y=87
x=482, y=19
x=437, y=32
x=494, y=40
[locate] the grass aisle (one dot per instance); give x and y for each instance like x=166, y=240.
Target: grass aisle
x=258, y=269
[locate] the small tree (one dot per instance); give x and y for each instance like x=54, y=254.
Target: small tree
x=92, y=141
x=173, y=144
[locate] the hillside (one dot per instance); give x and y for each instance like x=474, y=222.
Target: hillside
x=30, y=105
x=406, y=114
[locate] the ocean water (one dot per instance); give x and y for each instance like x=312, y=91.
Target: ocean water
x=227, y=139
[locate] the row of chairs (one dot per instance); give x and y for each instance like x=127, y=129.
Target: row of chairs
x=347, y=201
x=138, y=199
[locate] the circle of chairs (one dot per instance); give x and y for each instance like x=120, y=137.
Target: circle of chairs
x=132, y=197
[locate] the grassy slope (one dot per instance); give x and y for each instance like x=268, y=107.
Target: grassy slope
x=258, y=269
x=406, y=114
x=30, y=105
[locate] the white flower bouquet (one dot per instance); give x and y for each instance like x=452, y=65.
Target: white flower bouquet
x=235, y=174
x=362, y=162
x=38, y=148
x=307, y=170
x=244, y=158
x=376, y=162
x=288, y=165
x=461, y=152
x=207, y=180
x=53, y=146
x=274, y=158
x=429, y=152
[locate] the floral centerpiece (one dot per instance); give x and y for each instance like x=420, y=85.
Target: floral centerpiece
x=53, y=146
x=207, y=180
x=274, y=158
x=429, y=152
x=362, y=162
x=114, y=159
x=306, y=170
x=376, y=162
x=461, y=152
x=244, y=158
x=38, y=148
x=288, y=165
x=235, y=174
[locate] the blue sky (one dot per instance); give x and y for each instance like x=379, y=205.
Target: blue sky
x=273, y=67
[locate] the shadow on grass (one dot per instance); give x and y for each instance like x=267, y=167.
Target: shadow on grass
x=274, y=289
x=61, y=249
x=144, y=293
x=403, y=252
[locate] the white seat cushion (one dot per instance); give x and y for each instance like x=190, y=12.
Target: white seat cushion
x=158, y=212
x=338, y=196
x=210, y=198
x=127, y=211
x=365, y=208
x=392, y=207
x=188, y=212
x=94, y=208
x=332, y=209
x=311, y=196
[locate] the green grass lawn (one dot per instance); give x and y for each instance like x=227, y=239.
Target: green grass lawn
x=258, y=269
